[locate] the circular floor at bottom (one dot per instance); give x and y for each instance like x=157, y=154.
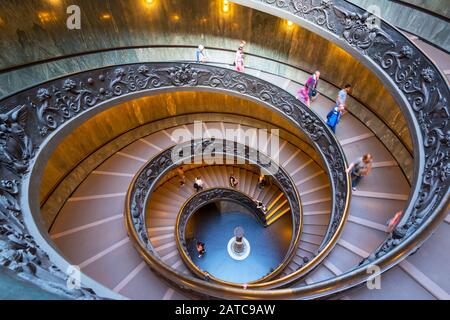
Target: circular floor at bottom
x=268, y=245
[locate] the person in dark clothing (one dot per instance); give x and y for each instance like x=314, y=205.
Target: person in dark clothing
x=200, y=249
x=198, y=184
x=360, y=168
x=233, y=181
x=261, y=181
x=261, y=206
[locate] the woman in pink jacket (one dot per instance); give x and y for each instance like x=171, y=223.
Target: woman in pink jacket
x=239, y=60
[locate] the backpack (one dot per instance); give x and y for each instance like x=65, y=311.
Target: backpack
x=332, y=117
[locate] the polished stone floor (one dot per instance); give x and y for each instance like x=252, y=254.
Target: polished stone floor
x=215, y=229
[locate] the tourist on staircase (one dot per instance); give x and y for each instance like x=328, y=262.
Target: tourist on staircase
x=200, y=54
x=261, y=206
x=342, y=96
x=360, y=168
x=181, y=176
x=239, y=58
x=261, y=181
x=200, y=249
x=311, y=86
x=334, y=116
x=233, y=181
x=198, y=184
x=392, y=223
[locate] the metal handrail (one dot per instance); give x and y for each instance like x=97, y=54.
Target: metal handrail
x=180, y=226
x=141, y=188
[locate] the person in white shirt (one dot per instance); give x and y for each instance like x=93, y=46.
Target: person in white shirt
x=259, y=205
x=198, y=184
x=201, y=54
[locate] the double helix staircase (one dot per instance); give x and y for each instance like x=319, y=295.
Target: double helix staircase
x=89, y=213
x=90, y=232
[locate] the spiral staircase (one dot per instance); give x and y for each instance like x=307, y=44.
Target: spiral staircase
x=126, y=249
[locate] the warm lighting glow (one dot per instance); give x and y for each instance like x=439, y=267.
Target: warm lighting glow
x=45, y=16
x=204, y=20
x=105, y=16
x=149, y=6
x=55, y=2
x=175, y=18
x=2, y=22
x=288, y=25
x=226, y=6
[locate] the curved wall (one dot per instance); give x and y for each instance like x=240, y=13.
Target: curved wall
x=37, y=31
x=424, y=18
x=440, y=7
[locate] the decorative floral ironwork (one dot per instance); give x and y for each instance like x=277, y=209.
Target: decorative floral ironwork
x=358, y=31
x=317, y=11
x=427, y=74
x=183, y=75
x=158, y=167
x=406, y=52
x=16, y=148
x=20, y=253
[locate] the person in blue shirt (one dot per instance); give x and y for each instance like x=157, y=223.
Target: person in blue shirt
x=334, y=116
x=200, y=54
x=342, y=96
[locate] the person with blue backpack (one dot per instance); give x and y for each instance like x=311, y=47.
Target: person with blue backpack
x=334, y=116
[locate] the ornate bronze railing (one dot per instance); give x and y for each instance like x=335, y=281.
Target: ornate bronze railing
x=147, y=179
x=205, y=197
x=143, y=185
